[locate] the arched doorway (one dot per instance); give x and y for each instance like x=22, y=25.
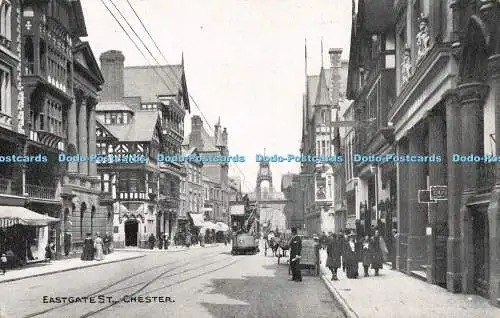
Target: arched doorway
x=131, y=232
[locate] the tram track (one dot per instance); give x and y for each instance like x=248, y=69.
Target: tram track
x=135, y=293
x=186, y=261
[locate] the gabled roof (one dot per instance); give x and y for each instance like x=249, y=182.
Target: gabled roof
x=141, y=128
x=113, y=106
x=322, y=94
x=84, y=57
x=102, y=126
x=150, y=81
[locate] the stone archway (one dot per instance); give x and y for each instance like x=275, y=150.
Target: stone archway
x=264, y=174
x=131, y=228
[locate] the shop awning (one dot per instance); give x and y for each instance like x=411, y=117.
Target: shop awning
x=222, y=227
x=197, y=219
x=209, y=225
x=11, y=215
x=237, y=209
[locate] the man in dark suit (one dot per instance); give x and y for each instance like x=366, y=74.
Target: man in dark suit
x=295, y=252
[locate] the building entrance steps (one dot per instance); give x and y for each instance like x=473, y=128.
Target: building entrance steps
x=395, y=294
x=63, y=265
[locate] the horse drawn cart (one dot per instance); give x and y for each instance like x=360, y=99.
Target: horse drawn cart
x=309, y=257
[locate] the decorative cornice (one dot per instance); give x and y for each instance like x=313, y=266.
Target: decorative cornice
x=472, y=93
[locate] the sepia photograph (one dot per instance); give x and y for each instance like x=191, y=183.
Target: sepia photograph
x=249, y=158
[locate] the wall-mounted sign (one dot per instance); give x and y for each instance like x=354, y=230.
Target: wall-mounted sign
x=439, y=192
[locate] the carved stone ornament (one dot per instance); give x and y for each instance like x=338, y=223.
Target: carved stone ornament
x=423, y=37
x=472, y=92
x=406, y=68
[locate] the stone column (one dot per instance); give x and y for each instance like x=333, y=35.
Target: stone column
x=72, y=127
x=471, y=97
x=83, y=135
x=438, y=212
x=417, y=212
x=453, y=139
x=494, y=207
x=402, y=211
x=92, y=148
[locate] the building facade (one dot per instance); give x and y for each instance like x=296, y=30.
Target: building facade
x=192, y=189
x=321, y=105
x=446, y=64
x=50, y=83
x=294, y=209
x=372, y=87
x=216, y=174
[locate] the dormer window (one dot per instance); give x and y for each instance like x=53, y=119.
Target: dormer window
x=116, y=118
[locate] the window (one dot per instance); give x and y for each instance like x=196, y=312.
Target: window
x=116, y=118
x=101, y=148
x=5, y=99
x=5, y=20
x=105, y=183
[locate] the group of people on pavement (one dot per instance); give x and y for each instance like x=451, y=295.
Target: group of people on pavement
x=96, y=249
x=163, y=241
x=347, y=250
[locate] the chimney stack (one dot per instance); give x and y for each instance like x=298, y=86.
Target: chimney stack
x=224, y=137
x=218, y=141
x=195, y=139
x=335, y=66
x=112, y=70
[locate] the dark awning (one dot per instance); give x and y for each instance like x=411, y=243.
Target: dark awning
x=12, y=215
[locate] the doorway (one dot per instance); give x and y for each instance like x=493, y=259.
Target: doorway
x=131, y=231
x=481, y=252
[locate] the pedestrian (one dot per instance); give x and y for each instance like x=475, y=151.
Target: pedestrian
x=295, y=255
x=50, y=251
x=152, y=241
x=351, y=258
x=98, y=246
x=107, y=243
x=345, y=241
x=88, y=248
x=3, y=263
x=188, y=239
x=160, y=241
x=333, y=259
x=379, y=251
x=323, y=239
x=366, y=254
x=166, y=240
x=395, y=237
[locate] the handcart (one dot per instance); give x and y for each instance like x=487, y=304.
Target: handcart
x=309, y=256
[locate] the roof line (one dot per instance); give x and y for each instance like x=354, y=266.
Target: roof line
x=153, y=66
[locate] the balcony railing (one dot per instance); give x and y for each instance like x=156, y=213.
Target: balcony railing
x=7, y=186
x=486, y=176
x=39, y=192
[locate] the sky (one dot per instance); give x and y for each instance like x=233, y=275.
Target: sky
x=244, y=62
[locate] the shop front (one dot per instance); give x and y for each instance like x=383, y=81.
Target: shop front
x=24, y=234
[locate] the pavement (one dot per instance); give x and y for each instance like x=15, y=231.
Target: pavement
x=202, y=282
x=57, y=266
x=394, y=294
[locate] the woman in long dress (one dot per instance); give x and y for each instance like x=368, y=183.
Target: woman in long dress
x=88, y=248
x=98, y=245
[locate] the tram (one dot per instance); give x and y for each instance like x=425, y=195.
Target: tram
x=245, y=240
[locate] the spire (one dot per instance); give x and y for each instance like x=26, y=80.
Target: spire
x=322, y=95
x=305, y=61
x=321, y=52
x=182, y=58
x=218, y=122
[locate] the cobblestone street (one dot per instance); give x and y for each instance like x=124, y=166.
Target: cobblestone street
x=200, y=283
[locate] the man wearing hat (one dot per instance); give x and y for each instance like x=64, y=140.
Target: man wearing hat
x=295, y=252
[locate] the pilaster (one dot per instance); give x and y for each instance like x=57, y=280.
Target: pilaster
x=402, y=209
x=494, y=207
x=72, y=142
x=438, y=212
x=453, y=141
x=92, y=136
x=417, y=212
x=83, y=137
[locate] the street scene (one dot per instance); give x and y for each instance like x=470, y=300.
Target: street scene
x=232, y=158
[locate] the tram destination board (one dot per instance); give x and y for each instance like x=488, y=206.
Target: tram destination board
x=439, y=192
